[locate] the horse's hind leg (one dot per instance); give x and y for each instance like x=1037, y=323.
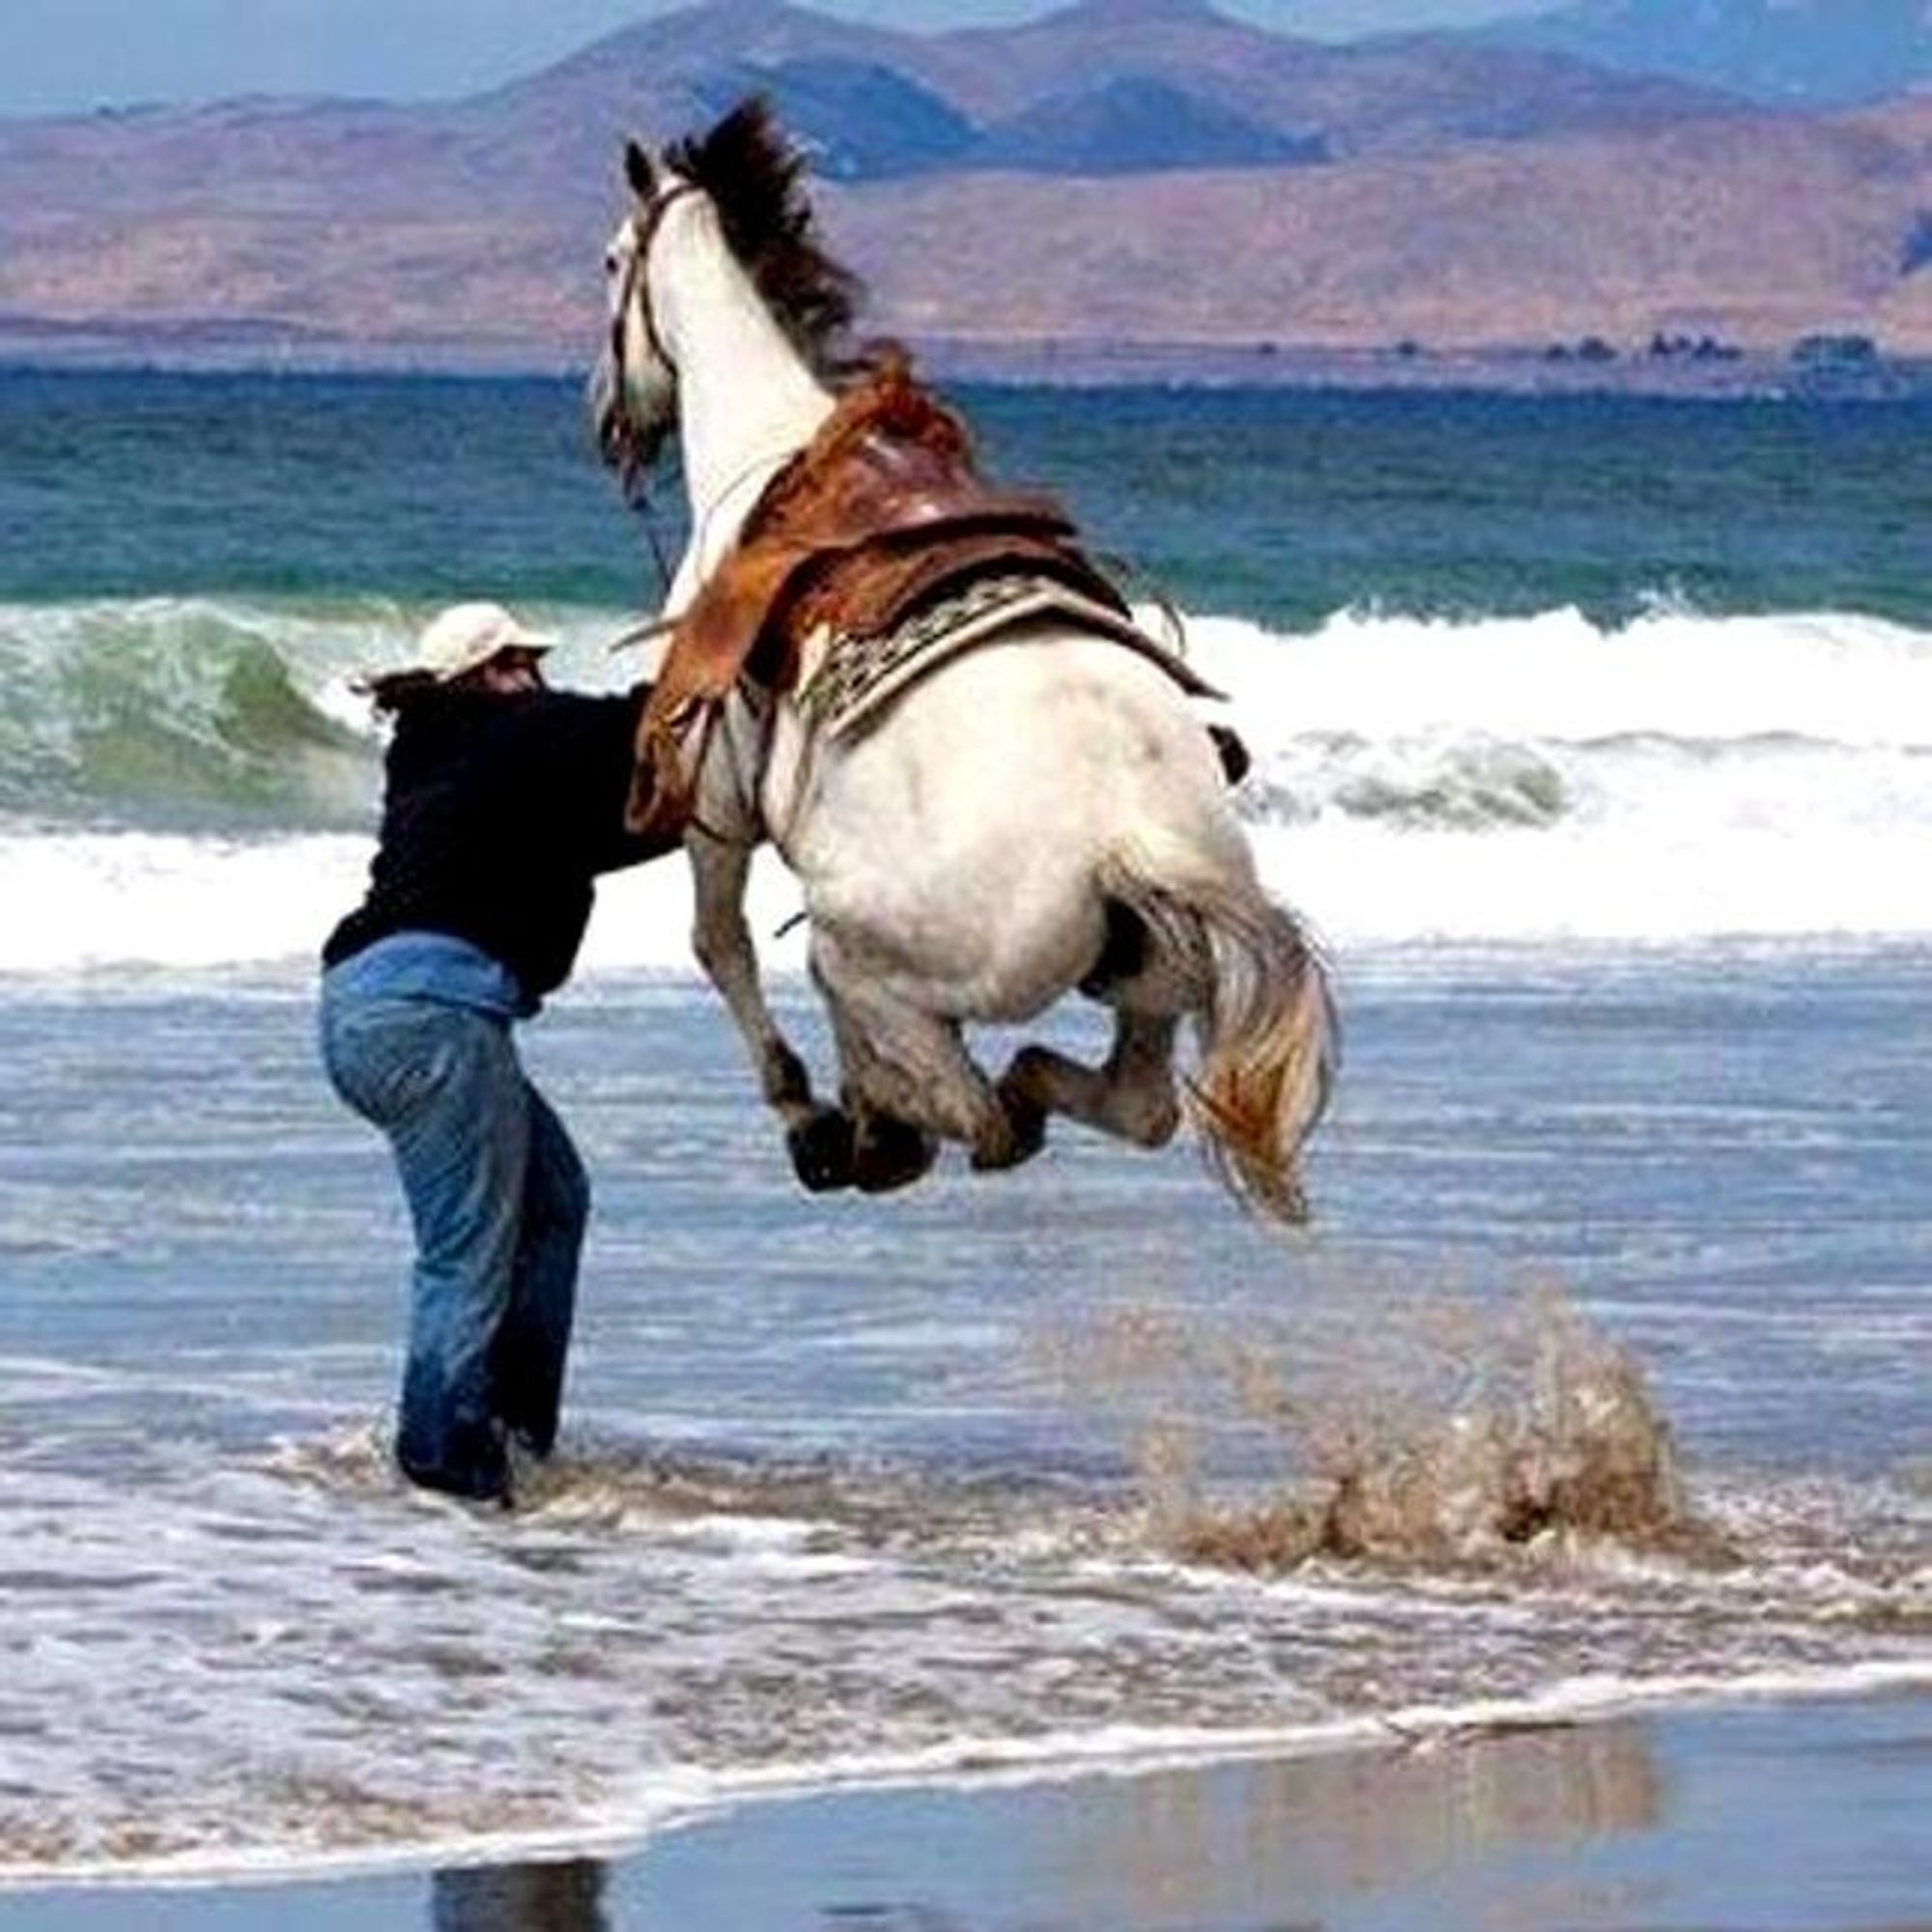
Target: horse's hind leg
x=1130, y=1094
x=908, y=1079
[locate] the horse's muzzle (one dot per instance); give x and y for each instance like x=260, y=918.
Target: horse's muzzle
x=606, y=414
x=625, y=445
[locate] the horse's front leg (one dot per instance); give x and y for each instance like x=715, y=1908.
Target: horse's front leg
x=819, y=1138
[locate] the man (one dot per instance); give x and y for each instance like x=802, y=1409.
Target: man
x=502, y=801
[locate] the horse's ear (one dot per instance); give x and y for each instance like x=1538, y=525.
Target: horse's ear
x=638, y=172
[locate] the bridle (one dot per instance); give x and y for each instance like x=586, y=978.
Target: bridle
x=631, y=290
x=627, y=447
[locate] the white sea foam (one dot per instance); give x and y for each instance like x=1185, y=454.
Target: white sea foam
x=1835, y=677
x=1682, y=779
x=1521, y=779
x=107, y=898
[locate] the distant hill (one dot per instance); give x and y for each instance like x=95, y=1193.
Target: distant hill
x=866, y=122
x=1104, y=87
x=1136, y=124
x=1795, y=52
x=997, y=187
x=1753, y=231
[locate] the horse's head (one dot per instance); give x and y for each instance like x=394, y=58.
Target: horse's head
x=634, y=387
x=751, y=176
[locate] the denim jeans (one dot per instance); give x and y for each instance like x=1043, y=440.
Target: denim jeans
x=498, y=1201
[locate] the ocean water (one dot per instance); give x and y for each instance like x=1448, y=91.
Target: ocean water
x=1593, y=736
x=1588, y=667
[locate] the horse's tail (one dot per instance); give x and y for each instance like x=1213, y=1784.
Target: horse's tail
x=1270, y=1044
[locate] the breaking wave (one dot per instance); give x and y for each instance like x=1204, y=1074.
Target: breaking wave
x=187, y=714
x=190, y=781
x=1681, y=777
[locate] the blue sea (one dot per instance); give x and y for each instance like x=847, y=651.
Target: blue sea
x=1594, y=737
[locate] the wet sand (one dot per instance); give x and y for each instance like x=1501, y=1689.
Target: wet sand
x=1774, y=1817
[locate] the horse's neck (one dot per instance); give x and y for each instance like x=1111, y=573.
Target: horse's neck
x=747, y=400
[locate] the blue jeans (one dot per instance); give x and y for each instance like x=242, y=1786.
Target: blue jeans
x=498, y=1200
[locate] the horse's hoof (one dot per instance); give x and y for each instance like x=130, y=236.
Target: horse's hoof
x=1025, y=1135
x=822, y=1151
x=891, y=1154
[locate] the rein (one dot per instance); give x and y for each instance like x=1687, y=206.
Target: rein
x=645, y=230
x=633, y=290
x=637, y=496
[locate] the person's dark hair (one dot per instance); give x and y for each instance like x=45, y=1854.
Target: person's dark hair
x=399, y=687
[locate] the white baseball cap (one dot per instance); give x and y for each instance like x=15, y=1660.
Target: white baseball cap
x=467, y=635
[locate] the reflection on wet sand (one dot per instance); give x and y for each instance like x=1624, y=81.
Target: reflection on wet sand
x=1233, y=1843
x=1302, y=1831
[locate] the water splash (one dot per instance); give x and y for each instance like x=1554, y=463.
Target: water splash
x=1471, y=1433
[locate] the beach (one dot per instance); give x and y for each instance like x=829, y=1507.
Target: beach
x=1540, y=1538
x=1635, y=1824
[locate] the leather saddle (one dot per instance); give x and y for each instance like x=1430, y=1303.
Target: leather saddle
x=881, y=514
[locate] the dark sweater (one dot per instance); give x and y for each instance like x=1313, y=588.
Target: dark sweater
x=497, y=813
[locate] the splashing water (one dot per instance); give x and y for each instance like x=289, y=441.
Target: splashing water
x=1474, y=1435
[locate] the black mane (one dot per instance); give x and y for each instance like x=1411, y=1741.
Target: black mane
x=754, y=176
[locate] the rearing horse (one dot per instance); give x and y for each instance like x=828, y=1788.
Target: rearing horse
x=1038, y=812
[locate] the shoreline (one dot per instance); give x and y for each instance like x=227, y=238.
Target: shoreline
x=971, y=1770
x=1659, y=1815
x=1552, y=371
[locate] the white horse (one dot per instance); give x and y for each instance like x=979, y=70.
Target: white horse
x=1039, y=813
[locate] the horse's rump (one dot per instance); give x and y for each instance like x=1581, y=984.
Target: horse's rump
x=971, y=817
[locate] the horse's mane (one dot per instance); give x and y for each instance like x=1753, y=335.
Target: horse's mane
x=754, y=176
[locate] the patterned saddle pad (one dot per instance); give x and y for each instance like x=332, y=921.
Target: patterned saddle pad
x=858, y=677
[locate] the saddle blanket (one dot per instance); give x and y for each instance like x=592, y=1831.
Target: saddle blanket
x=858, y=677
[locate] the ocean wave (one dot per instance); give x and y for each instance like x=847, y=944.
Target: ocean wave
x=177, y=711
x=1679, y=778
x=1672, y=672
x=192, y=782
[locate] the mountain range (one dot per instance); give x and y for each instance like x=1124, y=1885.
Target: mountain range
x=1788, y=52
x=1118, y=174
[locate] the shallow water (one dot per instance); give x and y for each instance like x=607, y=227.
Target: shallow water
x=864, y=1486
